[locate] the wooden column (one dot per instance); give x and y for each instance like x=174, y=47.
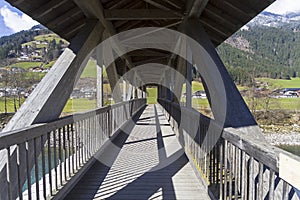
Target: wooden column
x=189, y=79
x=227, y=103
x=99, y=77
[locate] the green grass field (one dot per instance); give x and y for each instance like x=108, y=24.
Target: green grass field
x=90, y=70
x=280, y=83
x=49, y=37
x=49, y=65
x=72, y=106
x=26, y=65
x=79, y=105
x=41, y=38
x=10, y=104
x=152, y=95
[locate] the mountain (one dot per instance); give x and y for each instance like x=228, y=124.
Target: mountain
x=275, y=20
x=267, y=46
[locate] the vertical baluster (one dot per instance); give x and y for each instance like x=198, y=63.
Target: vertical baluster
x=19, y=146
x=78, y=139
x=60, y=157
x=49, y=162
x=65, y=153
x=285, y=194
x=230, y=159
x=240, y=171
x=97, y=132
x=251, y=178
x=94, y=133
x=244, y=176
x=217, y=162
x=225, y=168
x=236, y=178
x=9, y=174
x=221, y=170
x=260, y=181
x=28, y=171
x=54, y=159
x=81, y=140
x=86, y=138
x=73, y=138
x=271, y=184
x=36, y=168
x=110, y=122
x=69, y=149
x=43, y=166
x=85, y=142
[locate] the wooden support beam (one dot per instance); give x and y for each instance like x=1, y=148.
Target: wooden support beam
x=175, y=3
x=139, y=14
x=48, y=7
x=216, y=27
x=63, y=18
x=47, y=101
x=94, y=9
x=189, y=79
x=223, y=17
x=197, y=8
x=163, y=6
x=73, y=28
x=119, y=3
x=17, y=2
x=227, y=104
x=99, y=57
x=148, y=52
x=241, y=7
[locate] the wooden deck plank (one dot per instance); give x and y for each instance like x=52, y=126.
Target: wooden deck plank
x=149, y=164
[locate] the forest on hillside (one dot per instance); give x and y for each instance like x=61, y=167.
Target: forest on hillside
x=272, y=52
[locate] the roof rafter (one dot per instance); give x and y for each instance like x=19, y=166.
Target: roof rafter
x=118, y=3
x=197, y=8
x=161, y=5
x=94, y=9
x=223, y=17
x=48, y=7
x=61, y=19
x=139, y=14
x=175, y=3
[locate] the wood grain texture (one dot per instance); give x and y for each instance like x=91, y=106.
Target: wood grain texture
x=148, y=163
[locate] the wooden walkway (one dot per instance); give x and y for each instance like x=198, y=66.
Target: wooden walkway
x=145, y=161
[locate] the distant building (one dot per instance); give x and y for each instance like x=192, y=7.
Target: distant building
x=199, y=94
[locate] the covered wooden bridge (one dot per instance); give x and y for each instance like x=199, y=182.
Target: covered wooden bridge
x=131, y=150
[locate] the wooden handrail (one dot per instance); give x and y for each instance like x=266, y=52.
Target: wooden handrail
x=238, y=166
x=58, y=150
x=10, y=138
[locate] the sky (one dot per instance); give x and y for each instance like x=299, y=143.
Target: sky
x=12, y=20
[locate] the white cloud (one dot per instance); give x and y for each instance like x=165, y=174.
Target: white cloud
x=16, y=22
x=284, y=6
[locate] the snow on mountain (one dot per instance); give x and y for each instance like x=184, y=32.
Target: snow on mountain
x=274, y=20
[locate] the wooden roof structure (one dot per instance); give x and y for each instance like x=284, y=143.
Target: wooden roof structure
x=220, y=18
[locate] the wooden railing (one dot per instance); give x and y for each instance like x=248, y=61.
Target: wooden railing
x=60, y=149
x=232, y=165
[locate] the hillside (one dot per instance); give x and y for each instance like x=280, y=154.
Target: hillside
x=37, y=45
x=269, y=46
